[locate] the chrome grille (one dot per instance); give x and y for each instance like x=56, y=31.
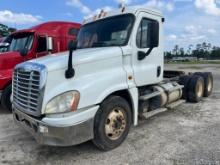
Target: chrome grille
x=27, y=89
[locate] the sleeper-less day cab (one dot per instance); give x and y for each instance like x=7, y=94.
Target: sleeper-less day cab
x=110, y=78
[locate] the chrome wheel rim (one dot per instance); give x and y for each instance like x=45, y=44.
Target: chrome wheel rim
x=115, y=124
x=199, y=89
x=209, y=88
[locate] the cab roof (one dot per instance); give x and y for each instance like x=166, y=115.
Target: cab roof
x=48, y=27
x=127, y=10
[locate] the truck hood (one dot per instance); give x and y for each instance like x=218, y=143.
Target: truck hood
x=8, y=60
x=60, y=60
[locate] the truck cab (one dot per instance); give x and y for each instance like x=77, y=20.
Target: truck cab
x=28, y=44
x=113, y=74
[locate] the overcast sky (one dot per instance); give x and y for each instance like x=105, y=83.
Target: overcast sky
x=187, y=21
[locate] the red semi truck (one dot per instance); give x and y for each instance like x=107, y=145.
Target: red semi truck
x=38, y=41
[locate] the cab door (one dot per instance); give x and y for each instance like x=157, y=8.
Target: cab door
x=147, y=57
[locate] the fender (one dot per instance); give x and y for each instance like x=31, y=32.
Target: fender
x=5, y=78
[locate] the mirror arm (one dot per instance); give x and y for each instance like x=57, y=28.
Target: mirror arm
x=70, y=72
x=142, y=55
x=149, y=51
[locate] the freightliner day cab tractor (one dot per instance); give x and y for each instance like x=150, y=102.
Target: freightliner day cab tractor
x=110, y=79
x=23, y=45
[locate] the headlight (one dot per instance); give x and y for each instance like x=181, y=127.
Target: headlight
x=65, y=102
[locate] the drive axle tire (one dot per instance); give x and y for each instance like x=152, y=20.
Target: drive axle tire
x=184, y=80
x=5, y=99
x=112, y=123
x=196, y=89
x=208, y=82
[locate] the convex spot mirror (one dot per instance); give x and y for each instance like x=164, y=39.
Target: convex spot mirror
x=49, y=44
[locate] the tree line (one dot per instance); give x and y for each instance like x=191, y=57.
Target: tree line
x=5, y=30
x=200, y=51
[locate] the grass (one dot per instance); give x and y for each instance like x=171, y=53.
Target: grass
x=194, y=62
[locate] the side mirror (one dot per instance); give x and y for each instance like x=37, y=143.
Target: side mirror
x=72, y=45
x=70, y=72
x=153, y=30
x=6, y=44
x=24, y=52
x=49, y=44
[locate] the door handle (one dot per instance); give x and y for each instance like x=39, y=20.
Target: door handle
x=158, y=71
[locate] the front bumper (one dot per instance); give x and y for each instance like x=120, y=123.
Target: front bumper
x=47, y=134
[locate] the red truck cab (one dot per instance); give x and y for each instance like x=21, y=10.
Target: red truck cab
x=38, y=41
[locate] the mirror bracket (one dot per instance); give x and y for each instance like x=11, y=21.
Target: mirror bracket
x=70, y=72
x=142, y=55
x=23, y=52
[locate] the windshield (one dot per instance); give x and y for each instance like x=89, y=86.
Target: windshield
x=22, y=41
x=112, y=31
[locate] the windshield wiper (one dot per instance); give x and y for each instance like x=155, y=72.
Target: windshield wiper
x=98, y=44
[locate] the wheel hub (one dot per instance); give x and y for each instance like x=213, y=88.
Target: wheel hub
x=115, y=124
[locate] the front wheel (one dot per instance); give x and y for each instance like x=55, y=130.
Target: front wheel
x=112, y=123
x=5, y=99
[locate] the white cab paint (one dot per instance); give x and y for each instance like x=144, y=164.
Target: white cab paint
x=145, y=71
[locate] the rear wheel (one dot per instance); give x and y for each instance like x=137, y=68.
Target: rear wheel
x=184, y=80
x=5, y=99
x=112, y=123
x=208, y=82
x=195, y=89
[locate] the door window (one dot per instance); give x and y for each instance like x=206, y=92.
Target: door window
x=42, y=44
x=143, y=38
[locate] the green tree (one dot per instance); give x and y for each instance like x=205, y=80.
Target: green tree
x=5, y=30
x=182, y=53
x=176, y=50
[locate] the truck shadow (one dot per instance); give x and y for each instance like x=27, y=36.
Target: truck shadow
x=4, y=111
x=86, y=149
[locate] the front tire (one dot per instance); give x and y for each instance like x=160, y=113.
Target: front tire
x=112, y=123
x=5, y=99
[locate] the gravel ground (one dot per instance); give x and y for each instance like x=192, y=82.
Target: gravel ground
x=188, y=134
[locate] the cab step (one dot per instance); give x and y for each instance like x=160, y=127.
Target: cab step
x=148, y=96
x=153, y=113
x=175, y=104
x=160, y=110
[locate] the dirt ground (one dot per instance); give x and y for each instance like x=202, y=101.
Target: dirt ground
x=188, y=134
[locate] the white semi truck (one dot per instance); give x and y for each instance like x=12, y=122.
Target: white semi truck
x=109, y=80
